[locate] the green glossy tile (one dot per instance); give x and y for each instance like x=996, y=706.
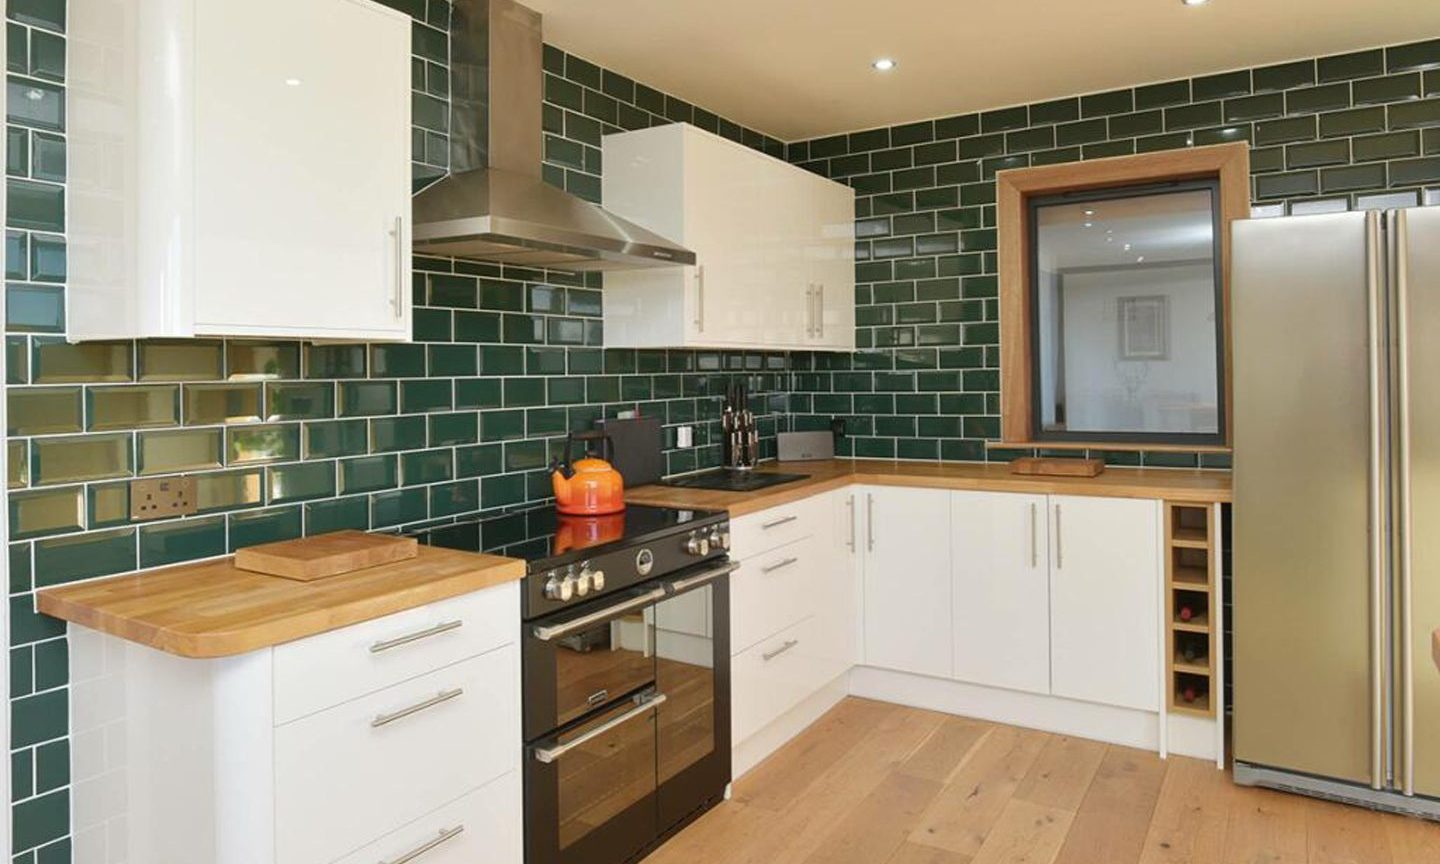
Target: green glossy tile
x=229, y=490
x=452, y=291
x=475, y=461
x=502, y=296
x=474, y=327
x=180, y=361
x=17, y=254
x=398, y=507
x=1284, y=76
x=367, y=398
x=335, y=361
x=545, y=361
x=1412, y=115
x=397, y=361
x=502, y=360
x=523, y=392
x=139, y=407
x=1352, y=178
x=526, y=455
x=1409, y=172
x=565, y=391
x=368, y=474
x=108, y=505
x=1394, y=145
x=426, y=466
x=452, y=360
x=396, y=433
x=47, y=258
x=34, y=308
x=299, y=400
x=502, y=490
x=48, y=511
x=36, y=206
x=247, y=445
x=478, y=393
x=84, y=556
x=450, y=499
x=17, y=463
x=1389, y=89
x=301, y=481
x=210, y=404
x=502, y=425
x=461, y=427
x=434, y=325
x=78, y=458
x=322, y=517
x=1350, y=122
x=56, y=361
x=423, y=396
x=185, y=540
x=52, y=760
x=44, y=411
x=38, y=718
x=17, y=153
x=264, y=526
x=1160, y=95
x=1220, y=86
x=49, y=14
x=186, y=450
x=251, y=361
x=1360, y=64
x=1283, y=131
x=1318, y=153
x=336, y=438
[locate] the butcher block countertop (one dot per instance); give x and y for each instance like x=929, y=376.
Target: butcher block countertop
x=213, y=609
x=1183, y=485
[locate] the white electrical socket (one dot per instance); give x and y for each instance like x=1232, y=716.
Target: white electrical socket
x=685, y=436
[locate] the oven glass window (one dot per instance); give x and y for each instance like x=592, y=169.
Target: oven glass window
x=603, y=777
x=685, y=672
x=603, y=662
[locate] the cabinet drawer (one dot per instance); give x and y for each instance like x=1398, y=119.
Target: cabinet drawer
x=371, y=765
x=322, y=671
x=774, y=590
x=776, y=674
x=483, y=826
x=769, y=529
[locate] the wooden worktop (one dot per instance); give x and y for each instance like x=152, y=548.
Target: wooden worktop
x=213, y=609
x=1183, y=485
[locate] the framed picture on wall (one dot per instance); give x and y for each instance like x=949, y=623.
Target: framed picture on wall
x=1145, y=328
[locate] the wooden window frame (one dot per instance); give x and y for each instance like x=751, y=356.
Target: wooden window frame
x=1229, y=164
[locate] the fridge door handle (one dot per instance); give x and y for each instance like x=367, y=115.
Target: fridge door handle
x=1400, y=254
x=1374, y=281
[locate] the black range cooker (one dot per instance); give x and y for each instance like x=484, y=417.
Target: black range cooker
x=626, y=677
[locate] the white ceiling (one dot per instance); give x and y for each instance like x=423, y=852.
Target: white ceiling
x=797, y=69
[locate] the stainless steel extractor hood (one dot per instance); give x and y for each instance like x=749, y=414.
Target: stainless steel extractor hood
x=493, y=206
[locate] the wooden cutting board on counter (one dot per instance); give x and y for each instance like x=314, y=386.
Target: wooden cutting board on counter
x=309, y=558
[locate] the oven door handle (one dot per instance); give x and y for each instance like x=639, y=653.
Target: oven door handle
x=643, y=704
x=547, y=632
x=682, y=585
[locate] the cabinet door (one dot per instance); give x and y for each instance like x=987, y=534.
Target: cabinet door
x=1105, y=574
x=907, y=580
x=302, y=169
x=832, y=265
x=730, y=238
x=1002, y=590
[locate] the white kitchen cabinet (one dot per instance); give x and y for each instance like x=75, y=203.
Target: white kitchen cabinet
x=1105, y=574
x=774, y=246
x=907, y=580
x=1001, y=567
x=232, y=177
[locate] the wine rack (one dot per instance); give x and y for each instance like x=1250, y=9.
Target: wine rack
x=1192, y=616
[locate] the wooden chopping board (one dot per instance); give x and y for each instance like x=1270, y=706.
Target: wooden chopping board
x=310, y=558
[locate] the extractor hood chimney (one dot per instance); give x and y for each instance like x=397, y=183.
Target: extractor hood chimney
x=493, y=206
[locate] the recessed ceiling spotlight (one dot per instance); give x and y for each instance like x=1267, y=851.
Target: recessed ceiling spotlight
x=292, y=82
x=1194, y=2
x=1140, y=260
x=1127, y=247
x=1089, y=212
x=884, y=64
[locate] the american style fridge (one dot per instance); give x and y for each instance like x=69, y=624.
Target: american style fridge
x=1336, y=569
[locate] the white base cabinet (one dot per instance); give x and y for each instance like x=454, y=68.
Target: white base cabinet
x=907, y=581
x=237, y=761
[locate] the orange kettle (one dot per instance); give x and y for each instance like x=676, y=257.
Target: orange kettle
x=589, y=487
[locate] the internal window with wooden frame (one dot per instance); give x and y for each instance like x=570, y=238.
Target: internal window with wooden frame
x=1114, y=300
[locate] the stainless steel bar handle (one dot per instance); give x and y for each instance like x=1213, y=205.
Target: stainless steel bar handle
x=442, y=627
x=700, y=298
x=1407, y=629
x=444, y=835
x=784, y=520
x=643, y=704
x=779, y=565
x=699, y=579
x=870, y=521
x=771, y=655
x=820, y=310
x=850, y=508
x=809, y=308
x=1376, y=502
x=438, y=699
x=555, y=631
x=397, y=299
x=1034, y=530
x=1059, y=541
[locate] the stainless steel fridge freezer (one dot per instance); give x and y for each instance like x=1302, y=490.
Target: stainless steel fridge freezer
x=1336, y=329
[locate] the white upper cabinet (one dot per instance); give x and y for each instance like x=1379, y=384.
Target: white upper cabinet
x=774, y=246
x=1105, y=575
x=239, y=169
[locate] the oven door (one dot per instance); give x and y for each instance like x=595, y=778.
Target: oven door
x=582, y=659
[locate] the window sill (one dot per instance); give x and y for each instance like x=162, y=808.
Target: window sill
x=1104, y=445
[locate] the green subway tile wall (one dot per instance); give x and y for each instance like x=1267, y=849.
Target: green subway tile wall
x=285, y=438
x=1357, y=130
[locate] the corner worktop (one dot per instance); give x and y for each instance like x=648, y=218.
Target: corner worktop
x=214, y=609
x=1170, y=484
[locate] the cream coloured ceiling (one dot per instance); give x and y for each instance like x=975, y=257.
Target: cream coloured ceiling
x=801, y=68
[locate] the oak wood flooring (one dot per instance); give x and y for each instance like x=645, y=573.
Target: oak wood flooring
x=873, y=783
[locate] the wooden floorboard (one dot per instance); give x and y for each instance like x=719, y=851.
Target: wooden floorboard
x=872, y=783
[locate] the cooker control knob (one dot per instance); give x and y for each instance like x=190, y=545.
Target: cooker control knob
x=557, y=588
x=582, y=583
x=719, y=539
x=698, y=545
x=597, y=580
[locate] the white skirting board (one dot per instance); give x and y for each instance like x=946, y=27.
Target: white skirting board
x=1193, y=736
x=753, y=750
